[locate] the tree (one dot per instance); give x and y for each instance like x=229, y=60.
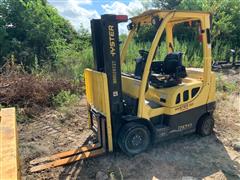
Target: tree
x=166, y=4
x=226, y=20
x=225, y=24
x=32, y=29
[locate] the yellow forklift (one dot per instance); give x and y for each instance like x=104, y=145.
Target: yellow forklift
x=160, y=100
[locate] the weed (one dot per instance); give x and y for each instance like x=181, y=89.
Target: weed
x=65, y=98
x=26, y=90
x=226, y=86
x=71, y=64
x=1, y=106
x=192, y=54
x=22, y=116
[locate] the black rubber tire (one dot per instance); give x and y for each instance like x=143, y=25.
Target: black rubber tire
x=134, y=138
x=205, y=125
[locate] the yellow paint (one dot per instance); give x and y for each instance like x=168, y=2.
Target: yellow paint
x=202, y=78
x=9, y=158
x=206, y=94
x=96, y=82
x=169, y=37
x=98, y=97
x=152, y=50
x=125, y=46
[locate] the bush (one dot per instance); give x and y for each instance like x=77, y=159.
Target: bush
x=71, y=63
x=227, y=86
x=64, y=98
x=26, y=90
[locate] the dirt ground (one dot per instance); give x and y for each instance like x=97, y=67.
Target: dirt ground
x=185, y=158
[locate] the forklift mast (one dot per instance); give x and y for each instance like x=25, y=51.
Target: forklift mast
x=105, y=43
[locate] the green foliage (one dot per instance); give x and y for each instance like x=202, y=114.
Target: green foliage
x=1, y=106
x=22, y=116
x=65, y=98
x=226, y=86
x=145, y=34
x=220, y=51
x=37, y=37
x=32, y=29
x=71, y=63
x=225, y=29
x=166, y=4
x=225, y=24
x=192, y=53
x=84, y=38
x=41, y=40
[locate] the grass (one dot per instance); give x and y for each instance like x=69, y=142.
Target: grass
x=72, y=63
x=65, y=98
x=60, y=85
x=22, y=116
x=226, y=86
x=192, y=56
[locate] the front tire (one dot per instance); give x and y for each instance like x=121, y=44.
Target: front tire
x=205, y=125
x=134, y=138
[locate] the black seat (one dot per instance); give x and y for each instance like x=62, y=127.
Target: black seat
x=171, y=69
x=172, y=65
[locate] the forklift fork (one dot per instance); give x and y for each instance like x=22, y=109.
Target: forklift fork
x=74, y=155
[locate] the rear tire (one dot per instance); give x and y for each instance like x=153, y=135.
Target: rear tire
x=205, y=125
x=134, y=138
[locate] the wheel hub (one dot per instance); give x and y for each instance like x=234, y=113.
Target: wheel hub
x=136, y=140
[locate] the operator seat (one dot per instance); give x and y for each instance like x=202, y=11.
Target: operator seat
x=171, y=71
x=172, y=65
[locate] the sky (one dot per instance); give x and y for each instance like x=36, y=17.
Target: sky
x=80, y=12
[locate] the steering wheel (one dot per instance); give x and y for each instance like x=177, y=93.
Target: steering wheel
x=144, y=54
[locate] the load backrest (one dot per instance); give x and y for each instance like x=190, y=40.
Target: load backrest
x=97, y=90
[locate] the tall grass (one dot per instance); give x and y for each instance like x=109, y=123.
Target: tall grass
x=220, y=51
x=72, y=63
x=192, y=54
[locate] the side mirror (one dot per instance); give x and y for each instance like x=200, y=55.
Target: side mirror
x=130, y=26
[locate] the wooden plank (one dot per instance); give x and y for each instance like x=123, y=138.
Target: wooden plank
x=9, y=160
